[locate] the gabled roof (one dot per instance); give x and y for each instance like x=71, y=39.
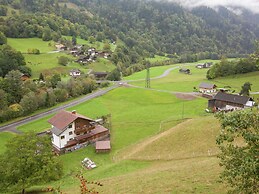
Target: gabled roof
x=63, y=118
x=207, y=85
x=222, y=96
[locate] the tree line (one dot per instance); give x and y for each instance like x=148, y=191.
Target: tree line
x=231, y=67
x=21, y=98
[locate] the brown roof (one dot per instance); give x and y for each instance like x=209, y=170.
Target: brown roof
x=222, y=96
x=62, y=119
x=103, y=145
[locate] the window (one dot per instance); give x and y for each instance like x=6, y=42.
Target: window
x=62, y=137
x=70, y=132
x=70, y=126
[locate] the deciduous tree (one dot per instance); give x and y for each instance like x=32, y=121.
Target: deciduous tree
x=239, y=143
x=28, y=161
x=245, y=89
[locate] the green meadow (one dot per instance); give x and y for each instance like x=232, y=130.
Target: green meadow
x=157, y=58
x=188, y=82
x=137, y=115
x=48, y=64
x=161, y=143
x=47, y=61
x=97, y=45
x=23, y=44
x=101, y=65
x=4, y=137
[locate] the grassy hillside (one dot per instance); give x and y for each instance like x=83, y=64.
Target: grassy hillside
x=101, y=65
x=23, y=44
x=188, y=82
x=4, y=137
x=161, y=143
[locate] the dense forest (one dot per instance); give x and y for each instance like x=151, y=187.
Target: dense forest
x=145, y=27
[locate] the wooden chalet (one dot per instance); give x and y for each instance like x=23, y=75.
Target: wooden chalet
x=225, y=101
x=71, y=131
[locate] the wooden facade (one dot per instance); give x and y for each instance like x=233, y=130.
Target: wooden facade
x=82, y=126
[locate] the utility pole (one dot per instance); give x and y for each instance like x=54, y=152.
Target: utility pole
x=148, y=76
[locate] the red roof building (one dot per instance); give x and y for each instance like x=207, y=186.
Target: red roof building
x=72, y=129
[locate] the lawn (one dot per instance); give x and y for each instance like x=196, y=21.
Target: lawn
x=158, y=58
x=48, y=64
x=157, y=71
x=4, y=138
x=137, y=115
x=97, y=45
x=101, y=65
x=23, y=44
x=188, y=82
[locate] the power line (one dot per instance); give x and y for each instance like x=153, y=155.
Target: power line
x=148, y=76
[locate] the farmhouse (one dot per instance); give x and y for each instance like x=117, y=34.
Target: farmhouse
x=207, y=88
x=75, y=72
x=225, y=101
x=71, y=130
x=204, y=65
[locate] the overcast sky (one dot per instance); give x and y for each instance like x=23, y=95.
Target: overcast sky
x=252, y=5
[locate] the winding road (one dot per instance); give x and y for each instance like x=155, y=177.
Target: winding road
x=12, y=126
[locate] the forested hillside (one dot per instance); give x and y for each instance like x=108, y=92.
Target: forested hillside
x=145, y=28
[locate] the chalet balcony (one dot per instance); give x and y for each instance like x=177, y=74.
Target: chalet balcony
x=83, y=129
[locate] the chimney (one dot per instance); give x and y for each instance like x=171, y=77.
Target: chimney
x=74, y=112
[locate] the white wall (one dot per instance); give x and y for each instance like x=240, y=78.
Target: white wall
x=250, y=103
x=60, y=143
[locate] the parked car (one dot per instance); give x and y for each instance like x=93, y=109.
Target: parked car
x=89, y=164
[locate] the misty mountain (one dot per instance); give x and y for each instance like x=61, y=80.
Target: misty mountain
x=145, y=27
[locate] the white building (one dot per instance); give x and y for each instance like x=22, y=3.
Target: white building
x=207, y=88
x=70, y=129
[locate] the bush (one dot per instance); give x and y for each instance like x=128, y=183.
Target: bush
x=63, y=60
x=33, y=51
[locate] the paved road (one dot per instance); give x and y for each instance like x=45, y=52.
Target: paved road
x=12, y=127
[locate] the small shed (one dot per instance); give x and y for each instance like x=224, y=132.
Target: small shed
x=102, y=146
x=186, y=71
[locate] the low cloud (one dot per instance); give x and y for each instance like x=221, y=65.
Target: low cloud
x=252, y=5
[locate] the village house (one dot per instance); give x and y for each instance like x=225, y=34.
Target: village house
x=204, y=65
x=24, y=77
x=71, y=131
x=225, y=101
x=75, y=72
x=60, y=47
x=207, y=88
